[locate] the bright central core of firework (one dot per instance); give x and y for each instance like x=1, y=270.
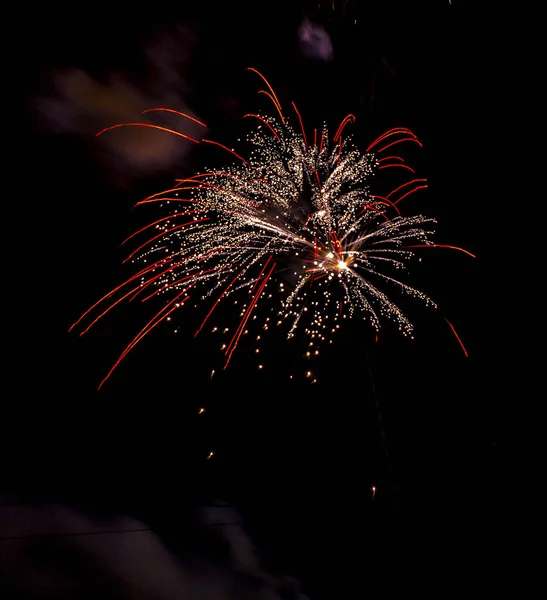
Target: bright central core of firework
x=292, y=226
x=333, y=262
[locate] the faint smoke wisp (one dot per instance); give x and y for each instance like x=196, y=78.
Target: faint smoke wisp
x=314, y=41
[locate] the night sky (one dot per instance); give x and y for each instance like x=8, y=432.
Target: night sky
x=416, y=420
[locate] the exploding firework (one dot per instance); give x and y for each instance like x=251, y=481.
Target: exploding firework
x=293, y=224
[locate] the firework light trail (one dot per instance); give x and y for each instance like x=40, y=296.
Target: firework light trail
x=294, y=224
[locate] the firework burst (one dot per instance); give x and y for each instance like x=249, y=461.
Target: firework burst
x=294, y=223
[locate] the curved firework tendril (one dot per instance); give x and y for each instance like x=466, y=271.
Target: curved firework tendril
x=292, y=214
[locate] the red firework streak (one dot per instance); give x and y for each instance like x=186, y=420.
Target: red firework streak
x=151, y=274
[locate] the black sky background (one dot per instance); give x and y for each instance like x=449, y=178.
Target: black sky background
x=299, y=460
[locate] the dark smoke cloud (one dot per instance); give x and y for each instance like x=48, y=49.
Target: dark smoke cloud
x=79, y=104
x=84, y=556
